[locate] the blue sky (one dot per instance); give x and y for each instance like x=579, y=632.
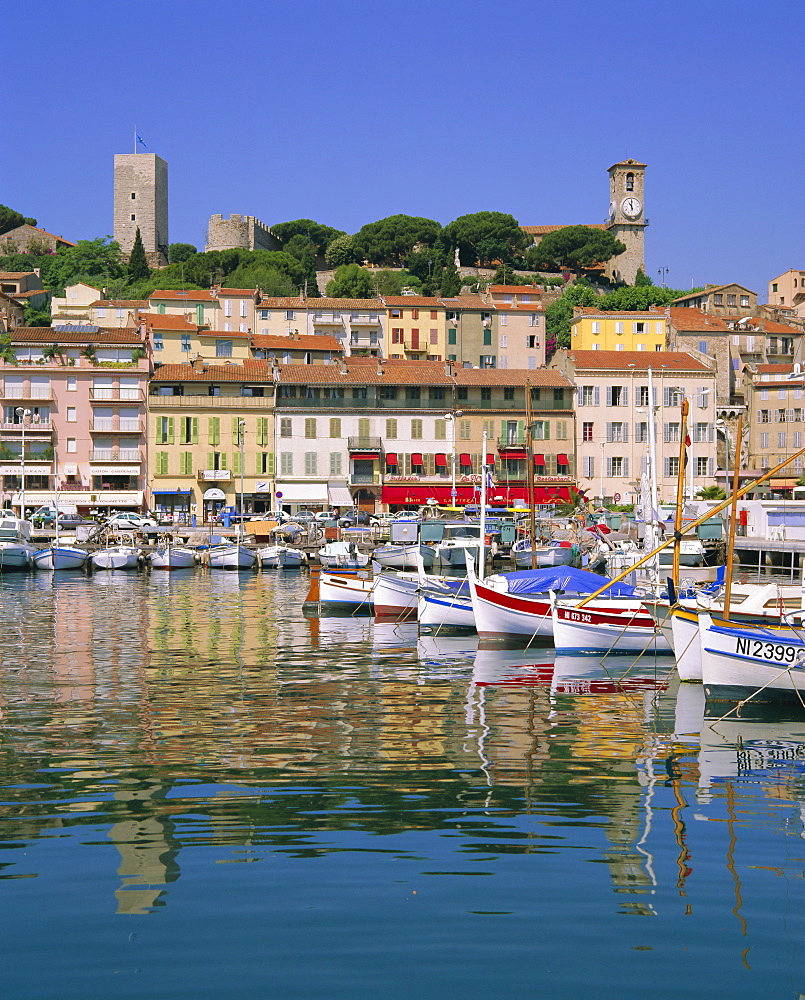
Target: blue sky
x=349, y=113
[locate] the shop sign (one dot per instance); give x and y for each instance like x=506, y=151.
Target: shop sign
x=31, y=469
x=114, y=470
x=216, y=475
x=262, y=486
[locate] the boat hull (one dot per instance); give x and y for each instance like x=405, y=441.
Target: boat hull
x=437, y=609
x=547, y=556
x=234, y=557
x=172, y=557
x=60, y=558
x=16, y=557
x=593, y=630
x=395, y=597
x=351, y=590
x=116, y=558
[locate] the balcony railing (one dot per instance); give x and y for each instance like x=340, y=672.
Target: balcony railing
x=117, y=425
x=41, y=427
x=512, y=441
x=126, y=395
x=364, y=443
x=26, y=392
x=157, y=401
x=115, y=455
x=327, y=319
x=365, y=479
x=364, y=319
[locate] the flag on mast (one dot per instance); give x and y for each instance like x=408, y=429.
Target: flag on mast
x=140, y=139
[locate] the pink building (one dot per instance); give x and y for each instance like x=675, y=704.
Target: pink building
x=78, y=401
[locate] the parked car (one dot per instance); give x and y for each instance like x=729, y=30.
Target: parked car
x=131, y=520
x=360, y=520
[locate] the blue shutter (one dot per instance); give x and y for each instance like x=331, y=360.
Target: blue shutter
x=597, y=396
x=609, y=395
x=625, y=467
x=625, y=432
x=625, y=395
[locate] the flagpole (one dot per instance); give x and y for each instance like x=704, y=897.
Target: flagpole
x=135, y=139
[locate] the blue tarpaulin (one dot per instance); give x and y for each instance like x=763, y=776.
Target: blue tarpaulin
x=565, y=578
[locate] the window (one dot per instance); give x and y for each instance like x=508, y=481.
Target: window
x=71, y=414
x=533, y=319
x=781, y=439
x=335, y=463
x=781, y=393
x=188, y=430
x=186, y=342
x=416, y=467
x=561, y=430
x=213, y=390
x=764, y=440
x=464, y=430
x=387, y=392
x=440, y=430
x=416, y=430
x=487, y=338
x=158, y=342
x=286, y=427
x=486, y=392
x=335, y=427
x=701, y=466
x=797, y=439
x=672, y=466
x=434, y=336
x=617, y=395
x=588, y=466
x=436, y=394
x=588, y=395
x=414, y=314
x=71, y=445
x=596, y=326
x=639, y=328
x=290, y=314
x=310, y=427
x=718, y=299
x=630, y=181
x=745, y=300
x=412, y=392
x=391, y=428
x=462, y=392
x=487, y=361
x=503, y=338
x=396, y=335
x=541, y=430
x=700, y=433
x=286, y=463
x=672, y=433
x=360, y=392
x=774, y=287
x=489, y=429
x=227, y=307
x=133, y=218
x=617, y=431
x=72, y=383
x=641, y=432
x=223, y=348
x=587, y=430
x=703, y=346
x=616, y=465
x=508, y=392
x=731, y=300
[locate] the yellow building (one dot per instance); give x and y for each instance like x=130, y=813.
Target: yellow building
x=176, y=340
x=416, y=328
x=195, y=458
x=594, y=330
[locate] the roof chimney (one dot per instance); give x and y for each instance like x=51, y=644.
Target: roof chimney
x=198, y=365
x=448, y=369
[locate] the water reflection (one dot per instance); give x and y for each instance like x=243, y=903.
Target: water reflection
x=193, y=719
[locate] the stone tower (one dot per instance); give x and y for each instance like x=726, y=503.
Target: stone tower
x=627, y=218
x=141, y=201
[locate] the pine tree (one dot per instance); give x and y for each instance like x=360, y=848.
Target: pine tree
x=138, y=264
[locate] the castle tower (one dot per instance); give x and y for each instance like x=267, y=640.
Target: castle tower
x=141, y=201
x=627, y=218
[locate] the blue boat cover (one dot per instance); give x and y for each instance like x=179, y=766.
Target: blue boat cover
x=565, y=578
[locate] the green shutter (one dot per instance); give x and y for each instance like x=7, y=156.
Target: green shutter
x=521, y=430
x=186, y=463
x=503, y=429
x=158, y=431
x=262, y=430
x=200, y=314
x=194, y=431
x=223, y=461
x=162, y=463
x=214, y=430
x=211, y=460
x=170, y=430
x=271, y=463
x=546, y=430
x=236, y=463
x=235, y=437
x=161, y=308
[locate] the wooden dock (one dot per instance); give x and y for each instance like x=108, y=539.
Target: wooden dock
x=770, y=553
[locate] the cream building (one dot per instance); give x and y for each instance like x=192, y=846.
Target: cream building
x=788, y=289
x=612, y=415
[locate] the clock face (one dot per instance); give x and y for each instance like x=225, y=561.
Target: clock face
x=631, y=207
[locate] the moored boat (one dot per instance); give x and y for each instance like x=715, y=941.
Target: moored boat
x=169, y=556
x=60, y=557
x=117, y=557
x=16, y=550
x=342, y=555
x=231, y=556
x=281, y=556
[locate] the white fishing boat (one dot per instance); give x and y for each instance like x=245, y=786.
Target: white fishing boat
x=16, y=550
x=232, y=555
x=117, y=557
x=281, y=556
x=168, y=555
x=459, y=545
x=336, y=588
x=445, y=604
x=752, y=665
x=342, y=555
x=553, y=554
x=59, y=557
x=403, y=556
x=597, y=629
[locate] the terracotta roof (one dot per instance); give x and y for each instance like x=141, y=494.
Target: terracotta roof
x=516, y=289
x=428, y=301
x=587, y=311
x=511, y=376
x=14, y=275
x=544, y=230
x=697, y=321
x=30, y=293
x=240, y=292
x=468, y=301
x=774, y=369
x=278, y=302
x=44, y=232
x=155, y=321
x=523, y=307
x=416, y=373
x=47, y=335
x=355, y=305
x=770, y=326
x=628, y=163
x=619, y=360
x=120, y=304
x=315, y=342
x=190, y=295
x=254, y=371
x=708, y=289
x=225, y=334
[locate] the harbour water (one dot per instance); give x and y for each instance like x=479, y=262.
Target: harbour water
x=208, y=795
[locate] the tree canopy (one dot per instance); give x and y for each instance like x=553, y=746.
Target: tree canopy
x=177, y=252
x=559, y=314
x=486, y=238
x=9, y=219
x=343, y=250
x=316, y=232
x=389, y=241
x=394, y=282
x=638, y=298
x=574, y=247
x=138, y=268
x=351, y=282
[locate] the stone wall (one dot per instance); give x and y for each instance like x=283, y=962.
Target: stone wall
x=239, y=231
x=141, y=202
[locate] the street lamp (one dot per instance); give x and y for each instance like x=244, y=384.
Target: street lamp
x=452, y=418
x=663, y=271
x=23, y=414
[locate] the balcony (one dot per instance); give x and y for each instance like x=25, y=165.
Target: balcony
x=364, y=479
x=364, y=319
x=43, y=427
x=26, y=392
x=364, y=443
x=327, y=319
x=117, y=425
x=115, y=455
x=158, y=401
x=512, y=441
x=126, y=395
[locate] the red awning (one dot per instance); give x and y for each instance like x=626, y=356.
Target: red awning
x=539, y=460
x=490, y=459
x=364, y=454
x=465, y=459
x=419, y=493
x=416, y=459
x=441, y=461
x=391, y=458
x=562, y=460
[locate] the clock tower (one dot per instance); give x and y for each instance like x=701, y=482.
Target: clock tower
x=627, y=218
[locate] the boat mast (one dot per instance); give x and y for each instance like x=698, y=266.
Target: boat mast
x=652, y=534
x=530, y=472
x=482, y=547
x=733, y=516
x=680, y=489
x=241, y=439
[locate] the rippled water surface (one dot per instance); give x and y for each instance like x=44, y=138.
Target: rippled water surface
x=206, y=794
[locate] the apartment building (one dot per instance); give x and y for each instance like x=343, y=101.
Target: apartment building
x=775, y=396
x=25, y=286
x=357, y=324
x=595, y=330
x=74, y=307
x=788, y=289
x=471, y=337
x=230, y=310
x=82, y=397
x=195, y=458
x=417, y=327
x=519, y=318
x=613, y=413
x=723, y=300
